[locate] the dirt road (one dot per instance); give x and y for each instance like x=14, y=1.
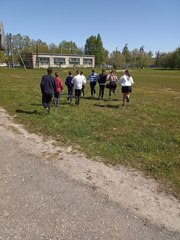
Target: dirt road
x=50, y=192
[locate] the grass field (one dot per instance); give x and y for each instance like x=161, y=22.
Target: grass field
x=144, y=134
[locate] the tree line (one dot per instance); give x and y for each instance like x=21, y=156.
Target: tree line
x=17, y=46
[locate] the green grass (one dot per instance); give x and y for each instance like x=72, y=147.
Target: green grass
x=143, y=134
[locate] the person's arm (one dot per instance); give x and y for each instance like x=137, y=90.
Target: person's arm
x=72, y=81
x=61, y=85
x=55, y=84
x=66, y=83
x=132, y=81
x=41, y=85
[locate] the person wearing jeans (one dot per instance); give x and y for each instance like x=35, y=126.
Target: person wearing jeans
x=59, y=88
x=93, y=78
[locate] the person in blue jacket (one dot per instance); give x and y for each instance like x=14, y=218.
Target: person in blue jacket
x=93, y=78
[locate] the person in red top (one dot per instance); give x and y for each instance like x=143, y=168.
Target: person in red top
x=59, y=88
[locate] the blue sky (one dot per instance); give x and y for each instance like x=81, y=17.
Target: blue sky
x=155, y=24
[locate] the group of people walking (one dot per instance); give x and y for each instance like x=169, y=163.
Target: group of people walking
x=52, y=86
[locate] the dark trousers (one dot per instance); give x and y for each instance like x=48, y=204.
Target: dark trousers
x=82, y=92
x=70, y=93
x=92, y=86
x=46, y=100
x=57, y=96
x=112, y=88
x=77, y=96
x=101, y=91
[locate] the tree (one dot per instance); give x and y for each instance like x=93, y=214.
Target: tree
x=94, y=46
x=177, y=58
x=126, y=54
x=116, y=59
x=69, y=48
x=52, y=48
x=3, y=57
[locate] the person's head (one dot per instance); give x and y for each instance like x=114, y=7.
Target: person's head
x=93, y=71
x=77, y=72
x=81, y=73
x=103, y=71
x=70, y=73
x=49, y=70
x=127, y=73
x=56, y=74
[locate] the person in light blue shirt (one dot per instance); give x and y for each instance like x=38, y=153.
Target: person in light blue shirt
x=93, y=78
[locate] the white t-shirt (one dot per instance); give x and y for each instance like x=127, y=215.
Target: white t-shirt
x=126, y=81
x=78, y=81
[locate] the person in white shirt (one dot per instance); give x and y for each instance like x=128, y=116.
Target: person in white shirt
x=126, y=82
x=78, y=81
x=82, y=92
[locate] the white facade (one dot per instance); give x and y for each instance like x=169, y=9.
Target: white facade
x=43, y=60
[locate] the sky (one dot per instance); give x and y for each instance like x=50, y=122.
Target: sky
x=154, y=24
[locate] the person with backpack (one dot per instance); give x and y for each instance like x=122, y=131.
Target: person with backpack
x=112, y=85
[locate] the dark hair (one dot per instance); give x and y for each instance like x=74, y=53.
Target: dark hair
x=49, y=70
x=70, y=73
x=56, y=74
x=127, y=73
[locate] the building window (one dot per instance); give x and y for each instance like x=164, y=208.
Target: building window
x=43, y=60
x=60, y=61
x=87, y=61
x=74, y=61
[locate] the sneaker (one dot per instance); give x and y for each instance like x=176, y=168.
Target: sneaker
x=48, y=110
x=127, y=98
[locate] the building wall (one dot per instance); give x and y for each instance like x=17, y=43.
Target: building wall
x=43, y=60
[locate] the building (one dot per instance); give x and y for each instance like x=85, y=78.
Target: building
x=2, y=37
x=45, y=60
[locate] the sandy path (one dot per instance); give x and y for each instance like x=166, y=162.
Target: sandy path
x=128, y=188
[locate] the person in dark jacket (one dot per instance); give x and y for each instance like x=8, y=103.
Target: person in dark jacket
x=70, y=86
x=102, y=83
x=48, y=87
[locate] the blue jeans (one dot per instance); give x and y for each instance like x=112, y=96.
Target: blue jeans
x=57, y=96
x=70, y=93
x=92, y=86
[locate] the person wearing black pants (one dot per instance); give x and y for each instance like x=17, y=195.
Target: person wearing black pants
x=48, y=87
x=78, y=81
x=70, y=86
x=102, y=83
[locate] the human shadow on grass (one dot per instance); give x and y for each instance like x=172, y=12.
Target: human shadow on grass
x=107, y=106
x=91, y=98
x=111, y=100
x=36, y=104
x=29, y=112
